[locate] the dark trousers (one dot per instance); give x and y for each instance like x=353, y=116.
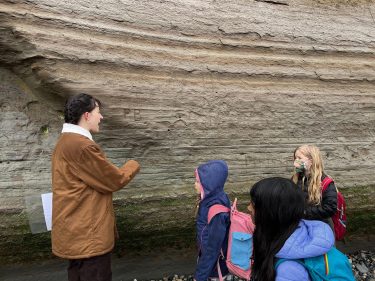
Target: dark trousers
x=91, y=269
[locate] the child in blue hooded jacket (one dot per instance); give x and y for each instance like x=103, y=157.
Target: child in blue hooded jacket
x=212, y=238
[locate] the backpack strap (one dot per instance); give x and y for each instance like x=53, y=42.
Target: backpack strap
x=219, y=270
x=309, y=269
x=216, y=209
x=326, y=182
x=213, y=211
x=280, y=261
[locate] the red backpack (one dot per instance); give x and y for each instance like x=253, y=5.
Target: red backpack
x=339, y=218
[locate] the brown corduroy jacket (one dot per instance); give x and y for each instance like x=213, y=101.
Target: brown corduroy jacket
x=83, y=180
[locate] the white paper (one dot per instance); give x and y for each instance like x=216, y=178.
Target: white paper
x=47, y=209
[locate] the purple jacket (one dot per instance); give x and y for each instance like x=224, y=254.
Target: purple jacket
x=310, y=239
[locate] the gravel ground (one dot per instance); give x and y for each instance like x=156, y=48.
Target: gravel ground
x=363, y=264
x=171, y=264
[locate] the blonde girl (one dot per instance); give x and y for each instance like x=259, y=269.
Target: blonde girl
x=308, y=175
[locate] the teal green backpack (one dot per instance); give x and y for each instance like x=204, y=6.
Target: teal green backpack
x=333, y=265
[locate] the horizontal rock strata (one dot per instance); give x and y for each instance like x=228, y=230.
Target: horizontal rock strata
x=183, y=82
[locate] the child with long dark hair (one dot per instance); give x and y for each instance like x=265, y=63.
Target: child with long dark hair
x=277, y=206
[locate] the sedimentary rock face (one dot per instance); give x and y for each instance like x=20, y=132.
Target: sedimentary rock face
x=183, y=82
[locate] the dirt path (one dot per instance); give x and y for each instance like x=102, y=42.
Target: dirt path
x=152, y=265
x=147, y=266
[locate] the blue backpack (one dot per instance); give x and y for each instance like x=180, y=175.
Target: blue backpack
x=333, y=265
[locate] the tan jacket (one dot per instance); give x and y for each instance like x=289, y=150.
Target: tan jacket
x=83, y=180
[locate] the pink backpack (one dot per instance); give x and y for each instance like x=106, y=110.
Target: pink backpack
x=240, y=240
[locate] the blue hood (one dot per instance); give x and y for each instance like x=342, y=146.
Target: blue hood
x=213, y=175
x=310, y=239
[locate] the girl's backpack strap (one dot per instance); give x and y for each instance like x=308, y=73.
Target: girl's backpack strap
x=216, y=209
x=313, y=273
x=280, y=261
x=326, y=182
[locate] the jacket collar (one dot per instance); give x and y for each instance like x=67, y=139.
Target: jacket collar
x=71, y=128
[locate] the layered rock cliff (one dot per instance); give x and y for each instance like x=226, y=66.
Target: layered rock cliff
x=184, y=82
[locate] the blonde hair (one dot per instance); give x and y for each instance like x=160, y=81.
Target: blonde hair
x=316, y=171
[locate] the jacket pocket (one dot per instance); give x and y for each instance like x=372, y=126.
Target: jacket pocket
x=242, y=247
